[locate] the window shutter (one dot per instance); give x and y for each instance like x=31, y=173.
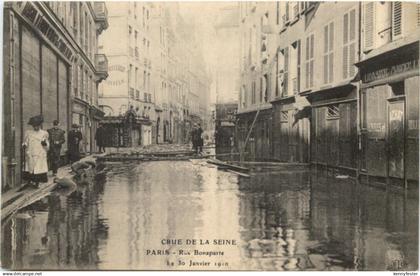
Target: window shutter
x=345, y=61
x=312, y=46
x=369, y=26
x=418, y=15
x=311, y=69
x=326, y=39
x=396, y=19
x=331, y=38
x=307, y=63
x=325, y=68
x=352, y=59
x=286, y=69
x=346, y=28
x=298, y=65
x=331, y=67
x=352, y=30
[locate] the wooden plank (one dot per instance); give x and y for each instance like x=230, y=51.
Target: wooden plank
x=239, y=173
x=224, y=164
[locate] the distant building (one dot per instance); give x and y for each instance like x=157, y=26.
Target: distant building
x=51, y=67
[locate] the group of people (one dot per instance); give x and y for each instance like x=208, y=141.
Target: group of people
x=197, y=139
x=42, y=149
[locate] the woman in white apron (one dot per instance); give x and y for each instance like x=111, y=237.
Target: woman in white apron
x=36, y=145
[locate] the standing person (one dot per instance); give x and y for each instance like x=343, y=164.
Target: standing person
x=200, y=141
x=56, y=141
x=100, y=138
x=74, y=138
x=194, y=138
x=36, y=145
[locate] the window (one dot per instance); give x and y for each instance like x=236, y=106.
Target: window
x=309, y=62
x=329, y=53
x=130, y=71
x=349, y=44
x=136, y=80
x=253, y=96
x=294, y=68
x=277, y=12
x=284, y=116
x=333, y=112
x=283, y=72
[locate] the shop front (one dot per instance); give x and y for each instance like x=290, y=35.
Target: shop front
x=290, y=131
x=333, y=140
x=258, y=146
x=390, y=114
x=36, y=78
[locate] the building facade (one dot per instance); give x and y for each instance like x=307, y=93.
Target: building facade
x=332, y=84
x=180, y=78
x=51, y=67
x=128, y=90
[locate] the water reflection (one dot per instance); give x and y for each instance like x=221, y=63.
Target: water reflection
x=281, y=221
x=58, y=232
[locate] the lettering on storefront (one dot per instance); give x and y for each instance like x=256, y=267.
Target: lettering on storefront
x=116, y=79
x=119, y=68
x=40, y=23
x=376, y=127
x=115, y=83
x=391, y=70
x=395, y=115
x=413, y=124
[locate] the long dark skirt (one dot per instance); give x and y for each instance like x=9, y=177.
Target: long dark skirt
x=37, y=178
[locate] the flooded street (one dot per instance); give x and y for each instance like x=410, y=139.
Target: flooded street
x=135, y=217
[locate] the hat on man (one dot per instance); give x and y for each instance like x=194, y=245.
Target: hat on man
x=36, y=120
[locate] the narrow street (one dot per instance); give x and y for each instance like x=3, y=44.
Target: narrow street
x=295, y=220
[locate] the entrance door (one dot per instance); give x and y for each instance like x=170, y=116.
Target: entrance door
x=396, y=138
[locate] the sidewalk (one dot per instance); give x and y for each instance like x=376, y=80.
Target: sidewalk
x=13, y=200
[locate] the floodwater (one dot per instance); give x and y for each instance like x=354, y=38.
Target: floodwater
x=184, y=215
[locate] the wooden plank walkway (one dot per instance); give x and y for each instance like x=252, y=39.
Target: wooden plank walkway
x=15, y=199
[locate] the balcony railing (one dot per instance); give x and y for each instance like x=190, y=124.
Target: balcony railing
x=101, y=65
x=101, y=14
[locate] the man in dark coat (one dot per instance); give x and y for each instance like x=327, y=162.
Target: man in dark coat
x=100, y=138
x=200, y=141
x=194, y=139
x=56, y=141
x=74, y=138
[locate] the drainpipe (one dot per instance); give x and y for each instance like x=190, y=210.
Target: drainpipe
x=358, y=100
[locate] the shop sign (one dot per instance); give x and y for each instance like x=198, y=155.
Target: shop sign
x=413, y=124
x=391, y=71
x=33, y=15
x=376, y=127
x=117, y=78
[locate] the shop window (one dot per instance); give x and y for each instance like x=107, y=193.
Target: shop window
x=333, y=112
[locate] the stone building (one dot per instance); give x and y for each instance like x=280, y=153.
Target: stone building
x=51, y=67
x=128, y=45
